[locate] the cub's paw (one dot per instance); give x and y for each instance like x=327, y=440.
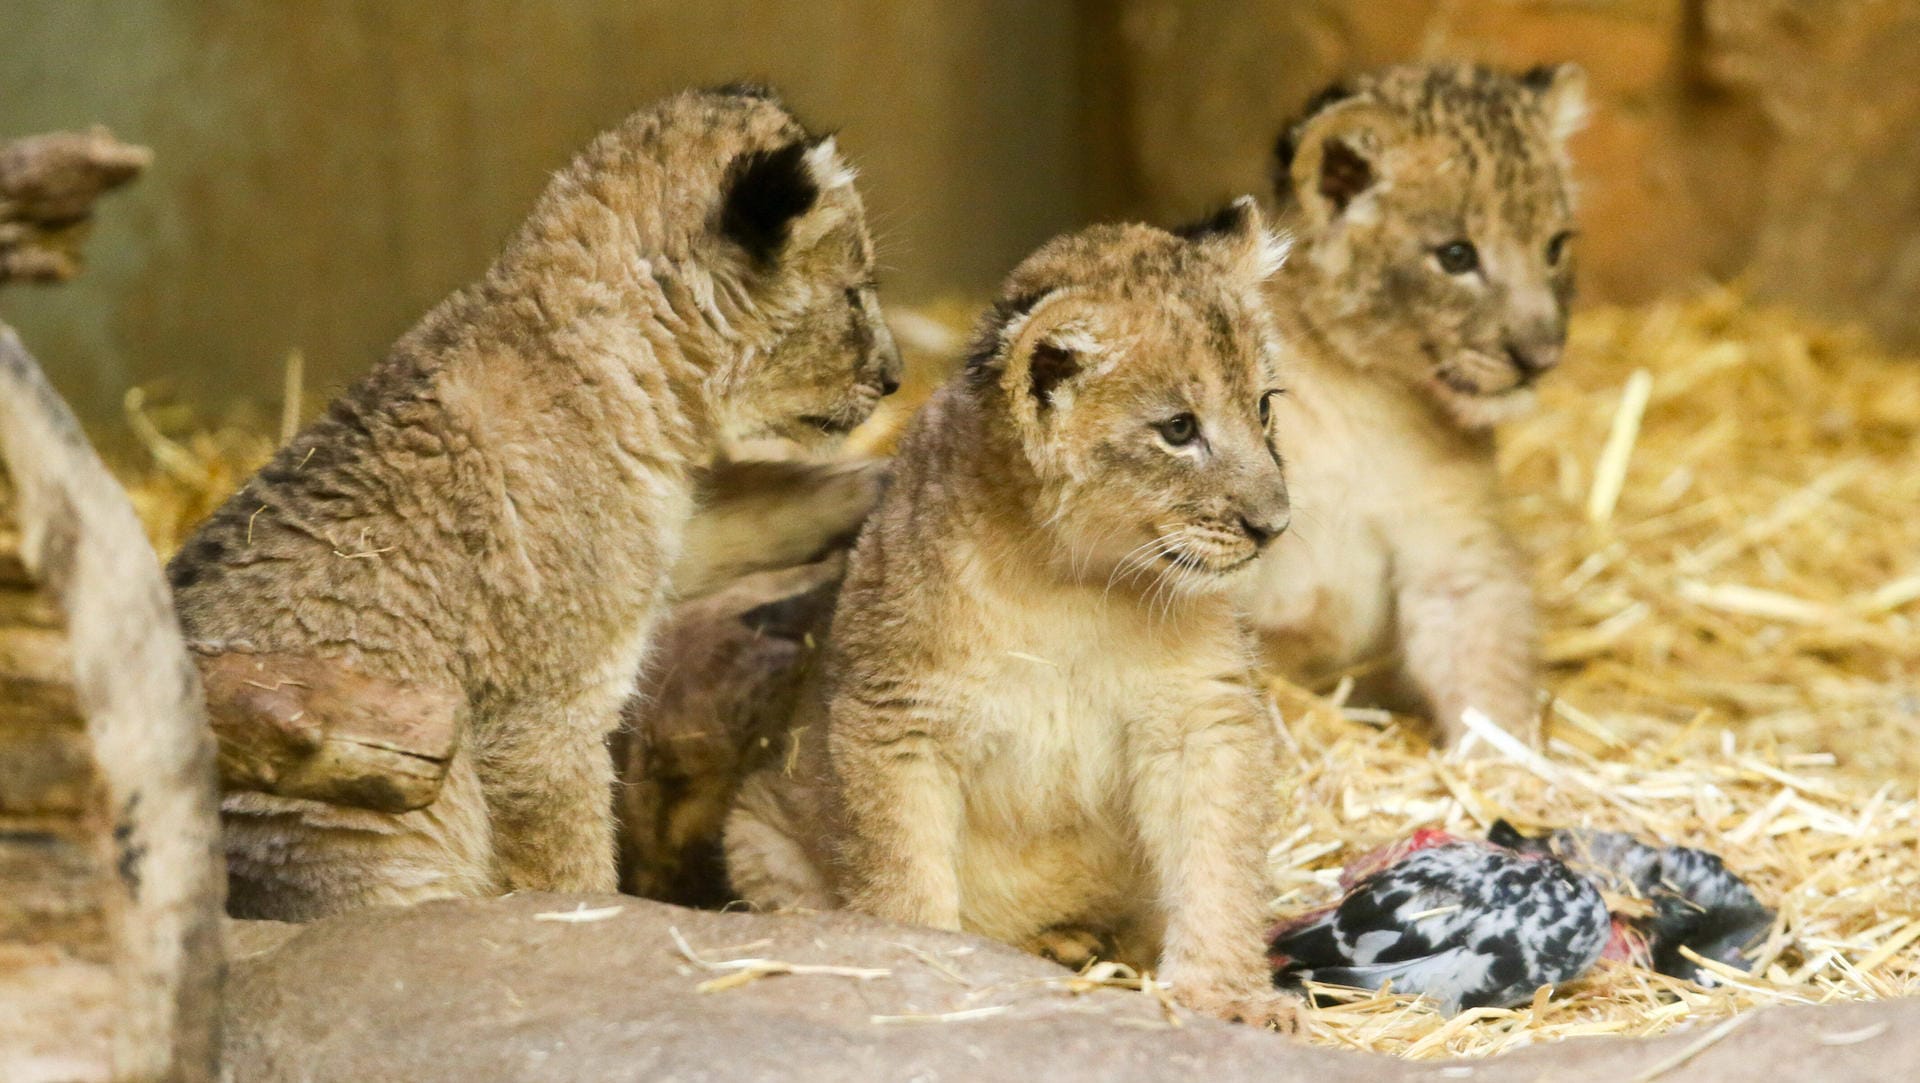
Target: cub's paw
x=1268, y=1008
x=1072, y=946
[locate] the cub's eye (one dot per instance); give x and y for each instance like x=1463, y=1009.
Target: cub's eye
x=853, y=297
x=1266, y=403
x=1458, y=257
x=1179, y=430
x=1557, y=247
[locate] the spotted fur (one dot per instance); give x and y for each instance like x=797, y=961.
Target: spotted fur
x=1398, y=568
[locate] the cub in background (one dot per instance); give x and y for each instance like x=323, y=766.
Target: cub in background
x=1037, y=720
x=1432, y=210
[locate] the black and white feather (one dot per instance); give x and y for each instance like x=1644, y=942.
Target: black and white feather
x=1465, y=923
x=1698, y=903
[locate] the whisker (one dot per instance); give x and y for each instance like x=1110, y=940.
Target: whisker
x=1123, y=564
x=1168, y=580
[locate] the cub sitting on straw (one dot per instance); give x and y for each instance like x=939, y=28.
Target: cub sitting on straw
x=494, y=508
x=1038, y=722
x=1429, y=294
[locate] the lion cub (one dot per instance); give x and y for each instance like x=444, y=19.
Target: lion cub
x=495, y=508
x=1427, y=296
x=1037, y=712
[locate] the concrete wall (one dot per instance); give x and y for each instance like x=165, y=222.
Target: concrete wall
x=327, y=170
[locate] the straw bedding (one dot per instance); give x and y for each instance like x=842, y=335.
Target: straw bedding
x=1724, y=505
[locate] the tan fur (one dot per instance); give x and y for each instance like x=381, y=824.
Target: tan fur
x=1037, y=721
x=1397, y=566
x=755, y=516
x=495, y=508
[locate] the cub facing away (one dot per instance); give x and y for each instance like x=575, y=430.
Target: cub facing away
x=495, y=508
x=1427, y=295
x=1037, y=720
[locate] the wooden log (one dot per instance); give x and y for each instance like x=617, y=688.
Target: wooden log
x=300, y=726
x=715, y=703
x=52, y=866
x=48, y=185
x=154, y=824
x=53, y=875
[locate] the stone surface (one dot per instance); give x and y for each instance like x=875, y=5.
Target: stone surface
x=1831, y=87
x=480, y=991
x=483, y=990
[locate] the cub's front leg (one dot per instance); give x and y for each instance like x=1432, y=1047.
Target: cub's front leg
x=1202, y=800
x=1466, y=614
x=548, y=780
x=901, y=808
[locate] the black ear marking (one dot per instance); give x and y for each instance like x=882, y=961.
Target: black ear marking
x=1051, y=366
x=1285, y=147
x=1540, y=77
x=1232, y=219
x=1344, y=173
x=993, y=326
x=764, y=191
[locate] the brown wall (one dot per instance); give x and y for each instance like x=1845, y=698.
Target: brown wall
x=1776, y=138
x=327, y=170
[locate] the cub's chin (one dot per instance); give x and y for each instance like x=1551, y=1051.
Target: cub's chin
x=1209, y=572
x=1476, y=410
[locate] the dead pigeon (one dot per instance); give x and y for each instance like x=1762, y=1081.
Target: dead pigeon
x=1690, y=898
x=1465, y=922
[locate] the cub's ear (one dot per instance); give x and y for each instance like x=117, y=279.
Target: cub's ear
x=765, y=190
x=771, y=197
x=1339, y=156
x=1288, y=145
x=1239, y=232
x=1046, y=354
x=1035, y=347
x=1562, y=89
x=1049, y=365
x=826, y=167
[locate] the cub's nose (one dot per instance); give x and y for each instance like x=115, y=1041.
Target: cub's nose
x=1532, y=361
x=886, y=356
x=1263, y=532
